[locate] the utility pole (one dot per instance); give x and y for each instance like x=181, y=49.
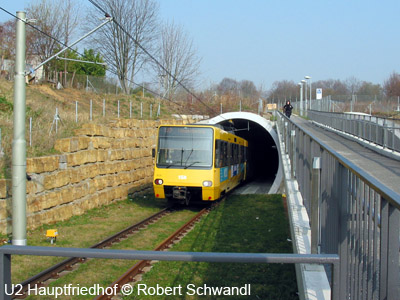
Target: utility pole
x=19, y=142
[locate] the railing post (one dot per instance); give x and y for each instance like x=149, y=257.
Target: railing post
x=393, y=135
x=5, y=276
x=315, y=199
x=389, y=248
x=343, y=242
x=335, y=289
x=285, y=137
x=385, y=134
x=393, y=253
x=293, y=156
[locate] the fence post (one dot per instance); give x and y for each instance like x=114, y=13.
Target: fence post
x=104, y=107
x=91, y=110
x=118, y=109
x=30, y=133
x=56, y=118
x=315, y=199
x=5, y=276
x=141, y=110
x=151, y=111
x=76, y=111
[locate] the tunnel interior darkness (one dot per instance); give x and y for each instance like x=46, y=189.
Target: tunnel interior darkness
x=263, y=153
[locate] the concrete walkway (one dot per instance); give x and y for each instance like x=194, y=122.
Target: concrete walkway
x=384, y=169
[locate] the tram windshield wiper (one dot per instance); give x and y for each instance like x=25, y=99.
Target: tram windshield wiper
x=191, y=151
x=195, y=162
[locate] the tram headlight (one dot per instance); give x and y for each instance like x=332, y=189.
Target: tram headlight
x=207, y=183
x=158, y=181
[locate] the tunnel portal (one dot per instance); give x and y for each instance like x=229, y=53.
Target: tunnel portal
x=264, y=156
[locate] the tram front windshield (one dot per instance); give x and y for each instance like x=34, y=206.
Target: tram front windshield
x=185, y=147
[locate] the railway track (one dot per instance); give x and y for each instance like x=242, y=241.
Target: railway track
x=66, y=265
x=138, y=268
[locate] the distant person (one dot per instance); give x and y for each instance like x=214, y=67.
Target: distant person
x=287, y=109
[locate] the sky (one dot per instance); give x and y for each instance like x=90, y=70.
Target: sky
x=271, y=40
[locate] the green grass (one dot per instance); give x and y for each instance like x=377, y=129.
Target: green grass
x=254, y=224
x=5, y=106
x=105, y=271
x=83, y=231
x=248, y=224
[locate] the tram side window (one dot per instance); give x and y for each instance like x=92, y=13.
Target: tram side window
x=233, y=161
x=235, y=154
x=225, y=154
x=217, y=153
x=221, y=154
x=230, y=161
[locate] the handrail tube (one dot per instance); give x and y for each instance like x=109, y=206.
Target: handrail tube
x=171, y=255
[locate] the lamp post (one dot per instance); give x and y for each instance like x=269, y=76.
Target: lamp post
x=308, y=78
x=301, y=98
x=305, y=95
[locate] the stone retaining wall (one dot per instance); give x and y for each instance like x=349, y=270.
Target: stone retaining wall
x=98, y=165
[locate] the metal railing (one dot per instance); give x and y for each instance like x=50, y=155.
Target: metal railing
x=7, y=251
x=384, y=132
x=352, y=215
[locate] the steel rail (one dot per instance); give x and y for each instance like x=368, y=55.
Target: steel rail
x=65, y=265
x=137, y=269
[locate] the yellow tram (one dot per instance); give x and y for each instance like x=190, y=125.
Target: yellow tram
x=197, y=162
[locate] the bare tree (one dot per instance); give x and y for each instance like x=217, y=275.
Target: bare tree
x=391, y=86
x=227, y=85
x=135, y=23
x=370, y=89
x=353, y=85
x=47, y=14
x=284, y=89
x=178, y=57
x=7, y=41
x=71, y=17
x=332, y=87
x=248, y=89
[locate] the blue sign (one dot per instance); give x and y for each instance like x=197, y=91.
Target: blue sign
x=223, y=174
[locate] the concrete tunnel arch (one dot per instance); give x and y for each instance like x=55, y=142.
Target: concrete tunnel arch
x=264, y=150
